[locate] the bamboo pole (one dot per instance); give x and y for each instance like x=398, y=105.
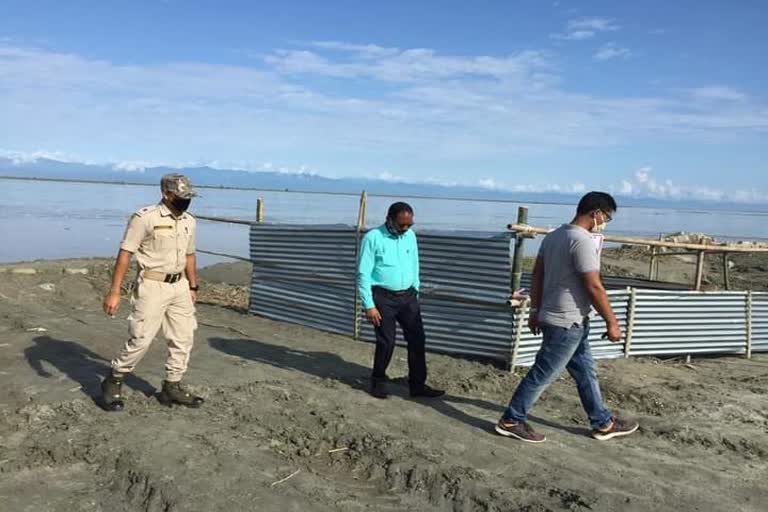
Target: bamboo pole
x=516, y=281
x=522, y=313
x=362, y=214
x=225, y=219
x=517, y=260
x=699, y=270
x=749, y=324
x=630, y=322
x=652, y=265
x=678, y=253
x=532, y=230
x=232, y=256
x=657, y=262
x=260, y=210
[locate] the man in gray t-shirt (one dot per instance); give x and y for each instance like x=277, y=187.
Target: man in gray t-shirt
x=567, y=253
x=566, y=286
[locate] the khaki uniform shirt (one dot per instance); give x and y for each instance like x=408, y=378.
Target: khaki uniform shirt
x=160, y=241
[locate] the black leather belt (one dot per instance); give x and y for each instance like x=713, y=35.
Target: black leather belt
x=394, y=293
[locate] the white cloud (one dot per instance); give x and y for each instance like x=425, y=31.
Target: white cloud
x=368, y=51
x=643, y=174
x=580, y=29
x=410, y=65
x=303, y=170
x=644, y=183
x=611, y=51
x=596, y=24
x=488, y=183
x=718, y=92
x=131, y=166
x=392, y=178
x=626, y=188
x=29, y=157
x=26, y=157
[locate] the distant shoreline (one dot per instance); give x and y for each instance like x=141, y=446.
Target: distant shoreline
x=291, y=191
x=356, y=194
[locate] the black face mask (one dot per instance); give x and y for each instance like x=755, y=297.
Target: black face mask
x=181, y=204
x=394, y=229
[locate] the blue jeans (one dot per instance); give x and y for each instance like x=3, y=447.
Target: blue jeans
x=561, y=349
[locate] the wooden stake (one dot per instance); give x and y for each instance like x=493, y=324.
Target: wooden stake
x=630, y=322
x=517, y=259
x=260, y=210
x=749, y=324
x=699, y=271
x=362, y=213
x=653, y=263
x=726, y=272
x=522, y=313
x=656, y=263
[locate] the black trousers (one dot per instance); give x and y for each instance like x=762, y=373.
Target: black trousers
x=403, y=309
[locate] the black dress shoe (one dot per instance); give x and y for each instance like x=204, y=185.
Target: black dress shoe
x=427, y=392
x=379, y=390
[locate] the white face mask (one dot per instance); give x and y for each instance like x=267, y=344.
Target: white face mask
x=598, y=227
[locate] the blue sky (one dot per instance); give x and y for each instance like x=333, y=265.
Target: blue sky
x=666, y=99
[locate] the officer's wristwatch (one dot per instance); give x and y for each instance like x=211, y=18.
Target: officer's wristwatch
x=194, y=288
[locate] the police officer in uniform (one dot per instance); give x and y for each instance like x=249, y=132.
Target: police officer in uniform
x=162, y=237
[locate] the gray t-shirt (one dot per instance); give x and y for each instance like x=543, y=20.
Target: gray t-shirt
x=567, y=253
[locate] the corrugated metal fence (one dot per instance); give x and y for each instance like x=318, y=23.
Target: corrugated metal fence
x=306, y=275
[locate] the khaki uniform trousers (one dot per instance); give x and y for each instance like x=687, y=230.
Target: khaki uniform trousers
x=157, y=304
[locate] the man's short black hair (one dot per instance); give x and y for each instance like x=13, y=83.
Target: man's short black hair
x=596, y=201
x=397, y=208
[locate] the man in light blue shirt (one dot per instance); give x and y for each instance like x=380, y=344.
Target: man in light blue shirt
x=388, y=283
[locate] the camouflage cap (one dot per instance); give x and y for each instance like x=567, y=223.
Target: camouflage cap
x=178, y=184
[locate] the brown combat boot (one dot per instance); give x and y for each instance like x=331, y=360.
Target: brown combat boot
x=112, y=393
x=175, y=393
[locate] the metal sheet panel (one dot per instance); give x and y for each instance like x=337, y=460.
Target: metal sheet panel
x=304, y=275
x=759, y=322
x=689, y=322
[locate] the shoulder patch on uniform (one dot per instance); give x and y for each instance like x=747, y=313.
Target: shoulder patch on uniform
x=144, y=211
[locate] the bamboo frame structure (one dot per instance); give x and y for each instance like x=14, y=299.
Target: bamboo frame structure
x=523, y=230
x=532, y=230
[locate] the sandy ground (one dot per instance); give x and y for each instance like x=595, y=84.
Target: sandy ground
x=286, y=401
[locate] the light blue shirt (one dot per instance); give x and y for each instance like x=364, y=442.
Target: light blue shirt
x=388, y=261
